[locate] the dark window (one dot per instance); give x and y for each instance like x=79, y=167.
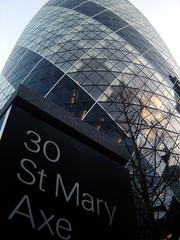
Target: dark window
x=71, y=97
x=22, y=66
x=43, y=77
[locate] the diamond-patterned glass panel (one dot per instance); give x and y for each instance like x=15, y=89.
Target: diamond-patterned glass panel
x=105, y=63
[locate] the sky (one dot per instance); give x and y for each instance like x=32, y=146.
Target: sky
x=164, y=15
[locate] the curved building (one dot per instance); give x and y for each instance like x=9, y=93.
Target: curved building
x=104, y=62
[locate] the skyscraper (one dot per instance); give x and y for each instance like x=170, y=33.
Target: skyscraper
x=100, y=60
x=104, y=62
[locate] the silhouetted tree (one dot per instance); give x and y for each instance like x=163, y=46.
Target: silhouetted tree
x=151, y=153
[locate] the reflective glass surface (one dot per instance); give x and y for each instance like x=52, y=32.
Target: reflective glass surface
x=91, y=57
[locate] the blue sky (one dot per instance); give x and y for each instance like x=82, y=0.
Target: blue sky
x=15, y=15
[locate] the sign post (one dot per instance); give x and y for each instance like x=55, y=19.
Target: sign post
x=54, y=186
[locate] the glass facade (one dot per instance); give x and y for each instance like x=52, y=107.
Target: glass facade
x=91, y=57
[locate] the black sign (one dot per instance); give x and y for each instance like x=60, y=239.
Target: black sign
x=56, y=187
